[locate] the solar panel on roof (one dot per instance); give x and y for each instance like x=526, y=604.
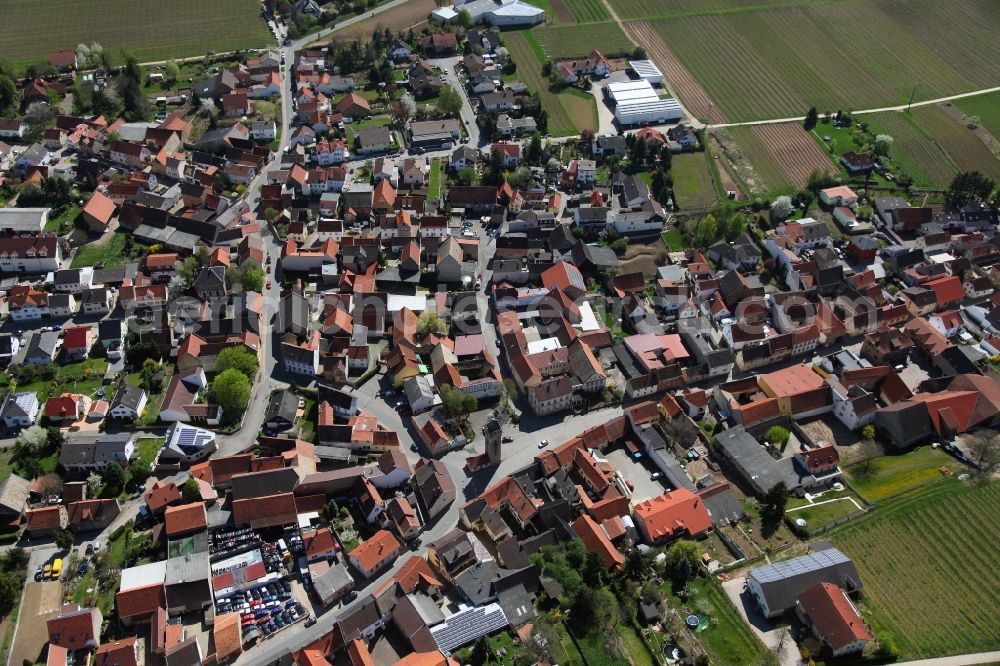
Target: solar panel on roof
x=799, y=565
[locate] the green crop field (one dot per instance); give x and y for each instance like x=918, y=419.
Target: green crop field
x=646, y=9
x=932, y=146
x=984, y=107
x=854, y=54
x=588, y=11
x=153, y=30
x=929, y=569
x=570, y=41
x=965, y=149
x=569, y=111
x=912, y=149
x=693, y=184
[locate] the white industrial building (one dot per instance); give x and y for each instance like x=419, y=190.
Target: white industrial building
x=636, y=103
x=501, y=13
x=645, y=69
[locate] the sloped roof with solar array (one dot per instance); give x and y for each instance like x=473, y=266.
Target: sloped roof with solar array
x=187, y=439
x=467, y=625
x=799, y=565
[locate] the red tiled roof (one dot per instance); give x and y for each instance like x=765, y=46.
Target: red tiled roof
x=186, y=518
x=117, y=653
x=596, y=541
x=269, y=511
x=674, y=512
x=833, y=615
x=318, y=542
x=140, y=601
x=44, y=518
x=947, y=289
x=228, y=636
x=161, y=495
x=100, y=207
x=63, y=406
x=372, y=553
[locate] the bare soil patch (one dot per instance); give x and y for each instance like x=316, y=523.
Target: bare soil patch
x=641, y=257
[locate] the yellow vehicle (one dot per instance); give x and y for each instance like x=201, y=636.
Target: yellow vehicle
x=46, y=572
x=56, y=569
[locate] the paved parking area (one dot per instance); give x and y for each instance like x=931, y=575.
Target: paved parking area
x=638, y=473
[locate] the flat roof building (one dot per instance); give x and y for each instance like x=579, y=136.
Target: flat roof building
x=646, y=70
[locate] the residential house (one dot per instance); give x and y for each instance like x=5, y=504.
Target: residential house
x=129, y=402
x=20, y=410
x=75, y=628
x=776, y=588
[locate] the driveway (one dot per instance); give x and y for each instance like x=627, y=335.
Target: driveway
x=769, y=636
x=605, y=116
x=634, y=471
x=39, y=603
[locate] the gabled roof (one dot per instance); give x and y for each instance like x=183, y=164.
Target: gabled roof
x=186, y=518
x=596, y=541
x=675, y=512
x=833, y=615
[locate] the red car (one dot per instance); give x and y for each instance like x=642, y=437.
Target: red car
x=268, y=284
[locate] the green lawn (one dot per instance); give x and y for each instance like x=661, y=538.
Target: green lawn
x=109, y=253
x=728, y=639
x=829, y=508
x=565, y=41
x=151, y=30
x=693, y=184
x=929, y=569
x=638, y=655
x=570, y=111
x=148, y=447
x=676, y=240
x=984, y=107
x=67, y=218
x=891, y=475
x=84, y=377
x=375, y=121
x=434, y=181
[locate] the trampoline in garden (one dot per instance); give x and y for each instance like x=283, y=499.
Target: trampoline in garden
x=697, y=623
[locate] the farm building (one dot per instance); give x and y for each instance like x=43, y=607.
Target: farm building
x=647, y=71
x=502, y=13
x=636, y=103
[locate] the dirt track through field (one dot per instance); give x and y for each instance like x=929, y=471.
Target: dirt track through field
x=677, y=78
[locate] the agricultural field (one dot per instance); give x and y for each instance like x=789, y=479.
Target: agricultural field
x=856, y=54
x=676, y=76
x=576, y=11
x=912, y=149
x=567, y=42
x=693, y=184
x=960, y=144
x=570, y=112
x=400, y=18
x=627, y=9
x=151, y=30
x=984, y=107
x=782, y=155
x=928, y=570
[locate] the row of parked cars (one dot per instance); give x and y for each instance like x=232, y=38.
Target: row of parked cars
x=227, y=541
x=267, y=607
